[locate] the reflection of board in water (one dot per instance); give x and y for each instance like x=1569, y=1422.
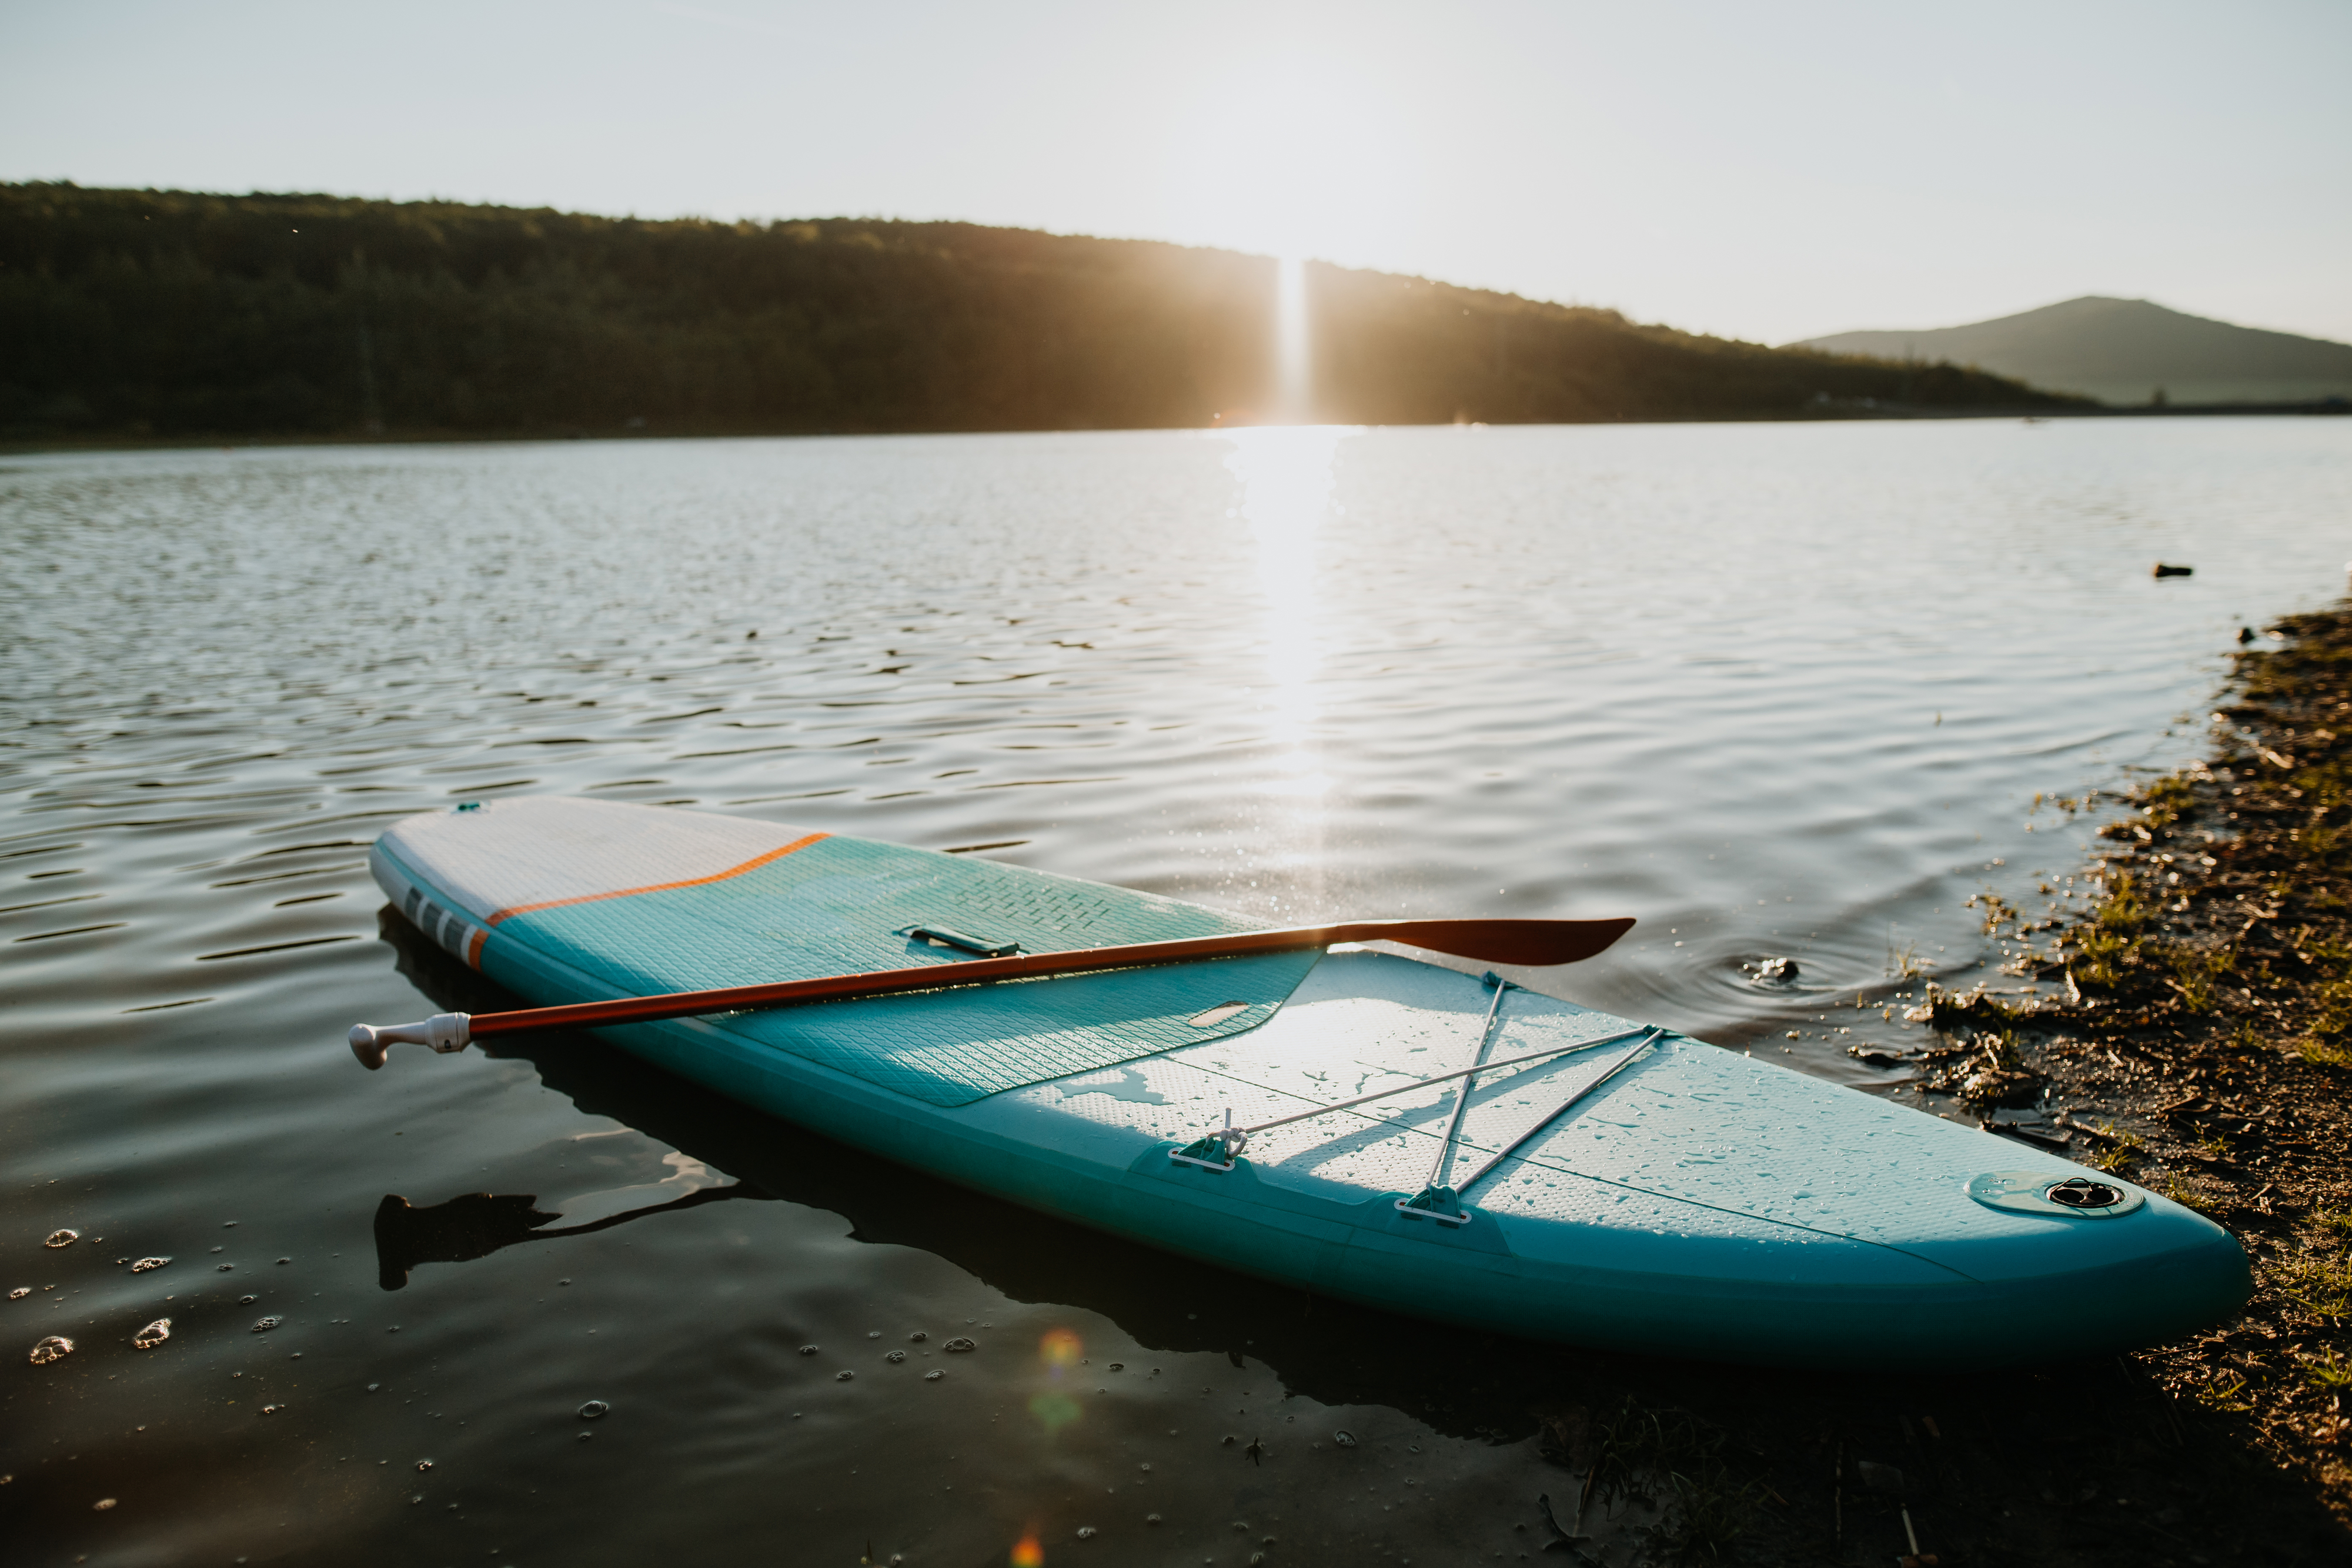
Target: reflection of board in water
x=476, y=1224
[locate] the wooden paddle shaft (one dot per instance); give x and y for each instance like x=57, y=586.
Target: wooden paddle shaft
x=1522, y=942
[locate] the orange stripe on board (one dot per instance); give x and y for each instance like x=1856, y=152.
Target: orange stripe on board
x=661, y=886
x=474, y=947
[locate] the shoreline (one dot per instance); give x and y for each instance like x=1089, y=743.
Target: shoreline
x=26, y=446
x=2200, y=1045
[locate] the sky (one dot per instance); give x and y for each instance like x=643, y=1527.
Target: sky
x=1768, y=172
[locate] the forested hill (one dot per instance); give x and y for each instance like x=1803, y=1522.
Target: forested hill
x=135, y=313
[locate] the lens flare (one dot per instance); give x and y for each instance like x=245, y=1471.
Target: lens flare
x=1061, y=1349
x=1027, y=1553
x=1054, y=1411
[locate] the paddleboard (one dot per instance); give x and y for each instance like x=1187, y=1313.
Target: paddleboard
x=1611, y=1186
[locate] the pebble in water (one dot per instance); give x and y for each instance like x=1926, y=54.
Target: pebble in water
x=959, y=1345
x=146, y=1263
x=62, y=1238
x=894, y=1357
x=1344, y=1439
x=56, y=1347
x=153, y=1335
x=808, y=1350
x=263, y=1325
x=593, y=1408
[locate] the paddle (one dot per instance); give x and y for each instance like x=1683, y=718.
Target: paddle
x=1533, y=943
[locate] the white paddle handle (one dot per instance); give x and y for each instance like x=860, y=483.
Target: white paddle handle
x=444, y=1032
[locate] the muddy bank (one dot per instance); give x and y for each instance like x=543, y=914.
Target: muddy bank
x=2199, y=1042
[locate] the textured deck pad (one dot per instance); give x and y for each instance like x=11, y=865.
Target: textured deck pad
x=640, y=900
x=952, y=1048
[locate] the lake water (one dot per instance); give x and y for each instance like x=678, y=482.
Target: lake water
x=1774, y=690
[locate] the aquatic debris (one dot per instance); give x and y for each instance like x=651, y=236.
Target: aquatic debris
x=153, y=1335
x=101, y=1505
x=20, y=1292
x=263, y=1325
x=960, y=1345
x=593, y=1409
x=808, y=1350
x=146, y=1263
x=844, y=1376
x=894, y=1357
x=933, y=1377
x=62, y=1238
x=1879, y=1055
x=1344, y=1439
x=1772, y=971
x=56, y=1347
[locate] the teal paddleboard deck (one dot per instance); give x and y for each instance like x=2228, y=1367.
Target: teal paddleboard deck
x=1648, y=1192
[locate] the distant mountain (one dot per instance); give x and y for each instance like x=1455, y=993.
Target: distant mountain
x=2123, y=352
x=177, y=314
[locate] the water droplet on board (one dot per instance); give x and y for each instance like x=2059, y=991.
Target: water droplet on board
x=593, y=1409
x=1086, y=1532
x=246, y=1301
x=263, y=1325
x=20, y=1292
x=894, y=1357
x=1344, y=1439
x=918, y=1337
x=56, y=1347
x=424, y=1464
x=269, y=1409
x=62, y=1238
x=1150, y=1519
x=808, y=1350
x=153, y=1335
x=844, y=1376
x=226, y=1268
x=373, y=1386
x=933, y=1377
x=146, y=1263
x=959, y=1345
x=873, y=1333
x=101, y=1505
